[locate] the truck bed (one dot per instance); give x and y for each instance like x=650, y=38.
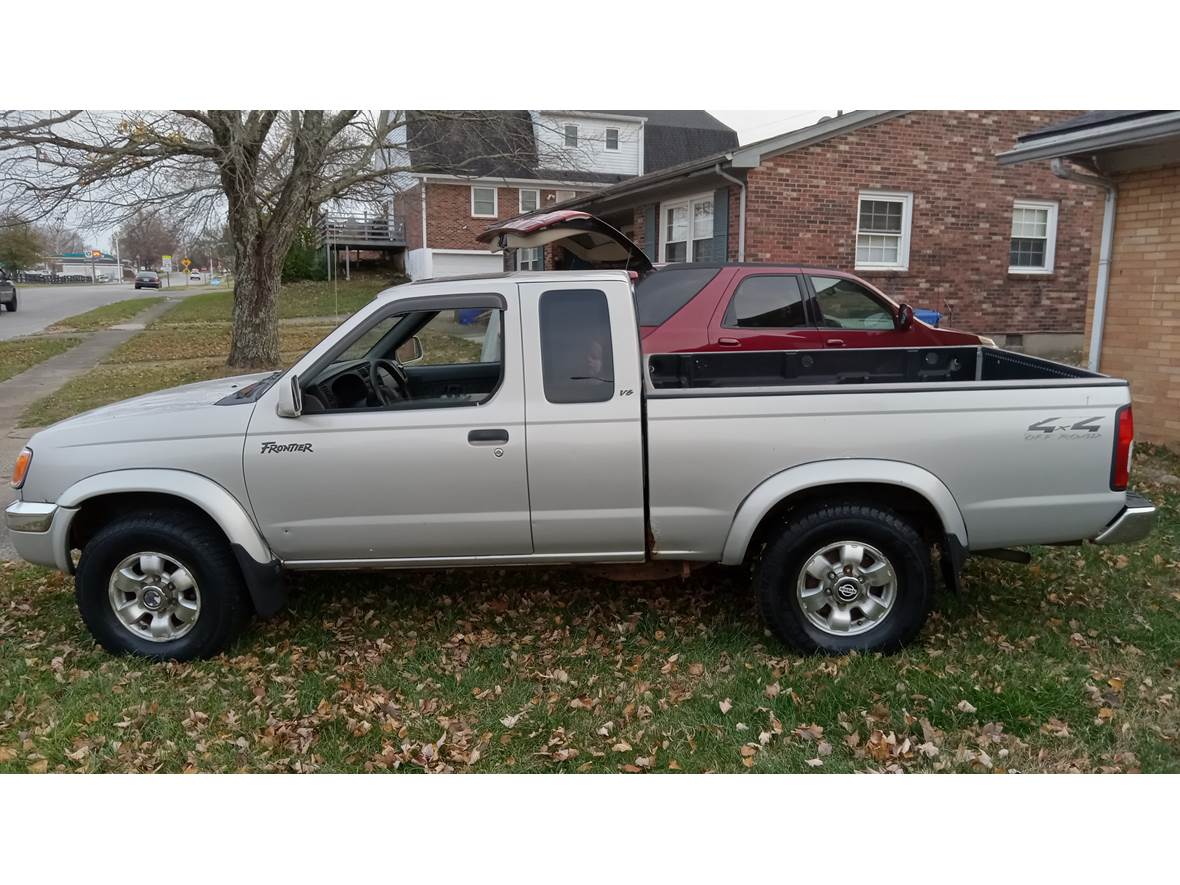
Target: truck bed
x=792, y=368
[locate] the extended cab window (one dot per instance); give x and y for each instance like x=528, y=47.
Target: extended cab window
x=769, y=301
x=844, y=304
x=577, y=360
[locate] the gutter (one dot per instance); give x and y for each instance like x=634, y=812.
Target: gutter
x=1105, y=248
x=741, y=254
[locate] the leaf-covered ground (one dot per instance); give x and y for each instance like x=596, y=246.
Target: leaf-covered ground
x=1068, y=665
x=18, y=354
x=107, y=315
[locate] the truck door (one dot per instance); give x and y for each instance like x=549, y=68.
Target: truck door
x=427, y=467
x=583, y=414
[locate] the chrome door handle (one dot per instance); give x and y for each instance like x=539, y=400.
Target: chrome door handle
x=729, y=342
x=835, y=342
x=487, y=437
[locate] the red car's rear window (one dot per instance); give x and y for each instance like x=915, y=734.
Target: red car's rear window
x=660, y=294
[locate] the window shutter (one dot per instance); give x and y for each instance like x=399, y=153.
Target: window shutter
x=651, y=234
x=721, y=224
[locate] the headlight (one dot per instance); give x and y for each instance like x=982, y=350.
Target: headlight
x=21, y=470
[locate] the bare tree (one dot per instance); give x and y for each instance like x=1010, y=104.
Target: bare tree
x=147, y=237
x=265, y=172
x=59, y=238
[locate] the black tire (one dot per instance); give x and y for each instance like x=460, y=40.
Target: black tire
x=805, y=533
x=137, y=288
x=224, y=605
x=11, y=305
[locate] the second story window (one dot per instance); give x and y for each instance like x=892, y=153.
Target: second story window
x=530, y=199
x=883, y=231
x=612, y=139
x=483, y=202
x=571, y=135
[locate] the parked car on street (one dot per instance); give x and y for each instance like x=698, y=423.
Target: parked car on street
x=147, y=279
x=404, y=440
x=706, y=307
x=195, y=276
x=8, y=298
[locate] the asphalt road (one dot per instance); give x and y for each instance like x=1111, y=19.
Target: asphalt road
x=42, y=306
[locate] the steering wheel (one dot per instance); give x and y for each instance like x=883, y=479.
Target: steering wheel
x=389, y=396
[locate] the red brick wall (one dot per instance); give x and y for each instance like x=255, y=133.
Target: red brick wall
x=449, y=223
x=1141, y=335
x=802, y=206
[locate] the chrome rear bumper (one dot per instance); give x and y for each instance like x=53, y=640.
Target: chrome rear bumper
x=1134, y=523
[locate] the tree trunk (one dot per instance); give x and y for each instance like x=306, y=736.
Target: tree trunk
x=255, y=342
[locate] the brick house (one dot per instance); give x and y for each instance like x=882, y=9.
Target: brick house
x=1131, y=161
x=914, y=201
x=470, y=168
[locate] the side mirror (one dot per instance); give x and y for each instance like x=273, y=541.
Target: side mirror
x=905, y=317
x=290, y=404
x=410, y=351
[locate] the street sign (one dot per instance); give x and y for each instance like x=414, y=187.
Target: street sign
x=186, y=262
x=95, y=253
x=167, y=264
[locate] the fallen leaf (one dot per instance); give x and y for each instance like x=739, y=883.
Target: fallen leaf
x=965, y=707
x=772, y=690
x=815, y=763
x=726, y=705
x=823, y=748
x=510, y=721
x=621, y=747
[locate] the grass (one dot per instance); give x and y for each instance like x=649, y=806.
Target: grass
x=107, y=315
x=1070, y=664
x=18, y=354
x=309, y=299
x=1067, y=665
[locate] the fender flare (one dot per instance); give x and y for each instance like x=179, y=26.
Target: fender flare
x=840, y=471
x=260, y=568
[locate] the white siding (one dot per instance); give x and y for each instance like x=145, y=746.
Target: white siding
x=591, y=154
x=423, y=264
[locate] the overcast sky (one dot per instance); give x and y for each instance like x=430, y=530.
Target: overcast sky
x=756, y=125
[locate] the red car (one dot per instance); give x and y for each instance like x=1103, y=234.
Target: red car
x=703, y=307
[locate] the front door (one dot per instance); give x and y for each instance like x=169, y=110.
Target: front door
x=422, y=461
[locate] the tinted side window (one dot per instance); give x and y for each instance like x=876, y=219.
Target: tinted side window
x=659, y=295
x=766, y=302
x=577, y=360
x=844, y=304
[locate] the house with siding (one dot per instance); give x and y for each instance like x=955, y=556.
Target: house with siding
x=471, y=168
x=914, y=201
x=1130, y=160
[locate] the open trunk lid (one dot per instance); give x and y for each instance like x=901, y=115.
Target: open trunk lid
x=591, y=241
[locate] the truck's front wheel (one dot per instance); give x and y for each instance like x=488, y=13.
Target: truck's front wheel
x=845, y=577
x=164, y=586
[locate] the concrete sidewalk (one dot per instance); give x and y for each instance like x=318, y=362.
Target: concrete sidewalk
x=21, y=391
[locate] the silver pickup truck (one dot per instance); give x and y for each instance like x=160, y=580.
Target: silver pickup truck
x=513, y=419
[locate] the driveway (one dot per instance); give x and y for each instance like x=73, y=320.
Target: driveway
x=42, y=306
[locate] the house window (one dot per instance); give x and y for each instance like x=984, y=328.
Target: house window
x=562, y=196
x=688, y=230
x=529, y=199
x=612, y=139
x=483, y=202
x=883, y=231
x=1034, y=237
x=571, y=135
x=530, y=259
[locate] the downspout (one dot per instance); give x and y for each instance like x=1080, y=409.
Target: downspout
x=741, y=256
x=422, y=188
x=1105, y=248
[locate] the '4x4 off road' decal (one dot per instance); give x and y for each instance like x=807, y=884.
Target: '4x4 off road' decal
x=1048, y=428
x=271, y=448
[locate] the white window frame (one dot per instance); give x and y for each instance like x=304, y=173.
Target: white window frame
x=661, y=223
x=495, y=201
x=1050, y=236
x=903, y=246
x=530, y=190
x=519, y=258
x=606, y=139
x=565, y=134
x=561, y=196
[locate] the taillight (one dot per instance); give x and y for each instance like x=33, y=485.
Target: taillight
x=1124, y=442
x=21, y=470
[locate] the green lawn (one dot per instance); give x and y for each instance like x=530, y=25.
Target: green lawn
x=18, y=354
x=310, y=299
x=1067, y=665
x=107, y=315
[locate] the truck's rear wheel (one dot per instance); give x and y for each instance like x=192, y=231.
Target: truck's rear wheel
x=845, y=577
x=164, y=586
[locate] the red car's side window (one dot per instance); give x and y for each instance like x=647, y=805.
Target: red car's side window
x=844, y=304
x=773, y=301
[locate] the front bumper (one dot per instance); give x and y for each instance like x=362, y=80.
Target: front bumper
x=39, y=532
x=1134, y=523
